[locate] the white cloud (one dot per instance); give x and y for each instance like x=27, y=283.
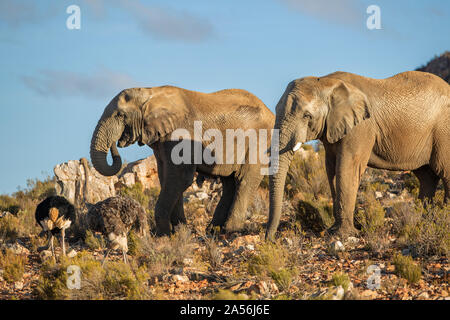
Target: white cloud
x=160, y=22
x=344, y=12
x=100, y=84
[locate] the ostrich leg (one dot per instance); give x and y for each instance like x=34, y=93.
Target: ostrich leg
x=63, y=244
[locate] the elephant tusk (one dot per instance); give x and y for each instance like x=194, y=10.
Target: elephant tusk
x=297, y=146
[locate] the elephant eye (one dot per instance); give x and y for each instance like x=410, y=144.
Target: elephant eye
x=307, y=115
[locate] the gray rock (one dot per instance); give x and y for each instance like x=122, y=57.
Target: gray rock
x=335, y=247
x=72, y=253
x=178, y=277
x=17, y=248
x=18, y=285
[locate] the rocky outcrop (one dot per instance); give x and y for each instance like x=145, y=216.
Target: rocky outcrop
x=70, y=181
x=144, y=171
x=439, y=66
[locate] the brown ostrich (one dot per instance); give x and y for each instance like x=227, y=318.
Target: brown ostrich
x=114, y=217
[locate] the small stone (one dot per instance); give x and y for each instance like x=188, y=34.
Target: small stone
x=336, y=246
x=18, y=285
x=378, y=195
x=338, y=294
x=201, y=195
x=178, y=277
x=250, y=247
x=288, y=242
x=352, y=241
x=72, y=253
x=17, y=248
x=423, y=296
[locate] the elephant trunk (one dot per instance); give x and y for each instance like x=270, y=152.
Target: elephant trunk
x=104, y=139
x=278, y=179
x=276, y=191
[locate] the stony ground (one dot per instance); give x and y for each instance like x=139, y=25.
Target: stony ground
x=315, y=268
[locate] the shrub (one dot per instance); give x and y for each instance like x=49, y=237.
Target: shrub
x=13, y=266
x=94, y=241
x=371, y=219
x=406, y=268
x=307, y=174
x=159, y=254
x=272, y=261
x=424, y=228
x=341, y=279
x=229, y=295
x=315, y=215
x=116, y=280
x=214, y=254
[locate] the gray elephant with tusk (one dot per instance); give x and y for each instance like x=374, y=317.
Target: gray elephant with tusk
x=150, y=116
x=398, y=123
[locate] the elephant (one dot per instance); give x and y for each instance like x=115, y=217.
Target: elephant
x=150, y=116
x=398, y=123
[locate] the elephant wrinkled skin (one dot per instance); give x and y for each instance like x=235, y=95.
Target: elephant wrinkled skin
x=398, y=123
x=150, y=115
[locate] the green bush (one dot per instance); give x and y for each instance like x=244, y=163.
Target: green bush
x=406, y=268
x=272, y=261
x=341, y=279
x=316, y=216
x=308, y=175
x=115, y=280
x=13, y=266
x=425, y=228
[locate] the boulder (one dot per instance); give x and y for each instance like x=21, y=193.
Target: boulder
x=70, y=183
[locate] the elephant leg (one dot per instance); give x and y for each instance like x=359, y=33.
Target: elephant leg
x=330, y=165
x=223, y=207
x=447, y=190
x=177, y=216
x=245, y=191
x=174, y=180
x=428, y=182
x=349, y=170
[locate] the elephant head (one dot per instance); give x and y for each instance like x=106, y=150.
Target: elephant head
x=143, y=115
x=311, y=108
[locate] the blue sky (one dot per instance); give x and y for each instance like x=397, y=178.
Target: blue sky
x=55, y=82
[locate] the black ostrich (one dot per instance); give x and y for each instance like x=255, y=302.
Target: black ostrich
x=114, y=217
x=55, y=214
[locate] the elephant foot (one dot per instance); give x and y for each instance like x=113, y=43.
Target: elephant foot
x=214, y=230
x=234, y=226
x=343, y=230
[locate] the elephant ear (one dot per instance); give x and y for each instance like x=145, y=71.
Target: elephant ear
x=159, y=122
x=348, y=107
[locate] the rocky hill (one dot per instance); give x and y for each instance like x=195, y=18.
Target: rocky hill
x=439, y=66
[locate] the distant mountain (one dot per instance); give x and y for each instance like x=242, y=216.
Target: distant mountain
x=439, y=66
